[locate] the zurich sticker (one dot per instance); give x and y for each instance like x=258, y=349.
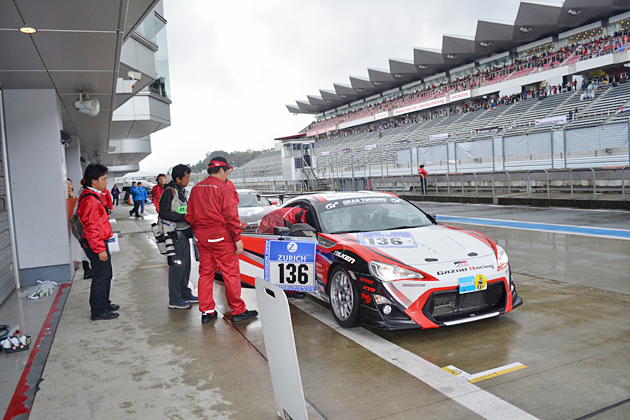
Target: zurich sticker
x=292, y=247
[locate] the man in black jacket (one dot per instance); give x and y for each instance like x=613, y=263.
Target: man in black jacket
x=173, y=204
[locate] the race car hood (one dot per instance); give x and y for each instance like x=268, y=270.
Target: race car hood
x=429, y=247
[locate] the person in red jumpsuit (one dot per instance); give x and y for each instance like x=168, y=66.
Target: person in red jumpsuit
x=157, y=190
x=277, y=217
x=106, y=198
x=423, y=178
x=96, y=233
x=213, y=214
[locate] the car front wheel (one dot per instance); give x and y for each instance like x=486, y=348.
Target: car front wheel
x=344, y=299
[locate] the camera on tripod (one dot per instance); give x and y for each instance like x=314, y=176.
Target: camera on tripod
x=165, y=235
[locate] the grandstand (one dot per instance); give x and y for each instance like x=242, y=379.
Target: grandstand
x=553, y=99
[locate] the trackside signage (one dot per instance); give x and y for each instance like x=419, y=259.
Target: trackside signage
x=442, y=136
x=420, y=106
x=290, y=265
x=552, y=120
x=381, y=115
x=459, y=96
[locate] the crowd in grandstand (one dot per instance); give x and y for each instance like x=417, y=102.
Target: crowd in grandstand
x=519, y=67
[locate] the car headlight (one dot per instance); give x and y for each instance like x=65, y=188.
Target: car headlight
x=388, y=272
x=502, y=258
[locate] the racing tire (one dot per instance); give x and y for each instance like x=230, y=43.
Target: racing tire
x=344, y=299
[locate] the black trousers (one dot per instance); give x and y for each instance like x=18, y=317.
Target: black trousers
x=136, y=206
x=179, y=274
x=101, y=281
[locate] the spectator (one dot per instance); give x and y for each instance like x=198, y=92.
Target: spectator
x=96, y=233
x=115, y=193
x=70, y=188
x=144, y=197
x=157, y=190
x=423, y=178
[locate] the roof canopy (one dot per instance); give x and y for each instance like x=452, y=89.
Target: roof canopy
x=533, y=22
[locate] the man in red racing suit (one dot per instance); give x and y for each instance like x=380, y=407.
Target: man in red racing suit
x=213, y=215
x=277, y=217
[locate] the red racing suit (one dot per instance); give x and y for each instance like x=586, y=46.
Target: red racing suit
x=277, y=217
x=156, y=193
x=213, y=214
x=106, y=198
x=93, y=216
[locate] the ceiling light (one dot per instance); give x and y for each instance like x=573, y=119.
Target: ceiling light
x=378, y=83
x=399, y=75
x=28, y=30
x=87, y=106
x=485, y=44
x=573, y=12
x=360, y=90
x=451, y=56
x=422, y=66
x=524, y=29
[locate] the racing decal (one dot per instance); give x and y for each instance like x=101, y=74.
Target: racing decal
x=472, y=283
x=245, y=213
x=414, y=284
x=344, y=257
x=369, y=289
x=366, y=298
x=387, y=239
x=364, y=280
x=463, y=268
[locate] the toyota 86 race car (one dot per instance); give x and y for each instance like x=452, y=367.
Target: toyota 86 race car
x=384, y=263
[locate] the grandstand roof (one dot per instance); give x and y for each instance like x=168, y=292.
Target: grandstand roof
x=533, y=22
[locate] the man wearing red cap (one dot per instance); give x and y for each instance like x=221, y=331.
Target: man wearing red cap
x=157, y=190
x=213, y=215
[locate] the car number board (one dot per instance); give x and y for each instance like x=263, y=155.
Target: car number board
x=385, y=239
x=290, y=265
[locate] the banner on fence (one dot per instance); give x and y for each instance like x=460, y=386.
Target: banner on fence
x=325, y=153
x=439, y=136
x=370, y=147
x=401, y=142
x=552, y=120
x=459, y=95
x=624, y=109
x=345, y=150
x=487, y=130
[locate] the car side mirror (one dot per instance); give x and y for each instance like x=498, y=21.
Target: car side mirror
x=281, y=231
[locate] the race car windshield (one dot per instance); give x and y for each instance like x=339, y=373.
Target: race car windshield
x=251, y=200
x=355, y=215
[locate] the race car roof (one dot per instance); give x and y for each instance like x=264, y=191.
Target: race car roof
x=322, y=197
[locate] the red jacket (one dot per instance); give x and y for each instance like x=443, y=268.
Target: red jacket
x=156, y=193
x=213, y=210
x=422, y=172
x=96, y=227
x=106, y=198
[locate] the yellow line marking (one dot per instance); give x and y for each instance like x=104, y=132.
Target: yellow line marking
x=485, y=374
x=492, y=375
x=152, y=266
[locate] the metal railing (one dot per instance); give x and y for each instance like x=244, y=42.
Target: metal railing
x=529, y=187
x=594, y=180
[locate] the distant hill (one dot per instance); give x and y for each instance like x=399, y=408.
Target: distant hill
x=235, y=159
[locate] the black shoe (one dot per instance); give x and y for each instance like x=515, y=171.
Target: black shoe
x=109, y=315
x=296, y=295
x=207, y=317
x=113, y=308
x=87, y=275
x=245, y=315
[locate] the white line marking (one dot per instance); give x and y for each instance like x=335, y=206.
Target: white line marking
x=472, y=378
x=470, y=396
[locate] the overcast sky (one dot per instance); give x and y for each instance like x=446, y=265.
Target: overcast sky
x=235, y=65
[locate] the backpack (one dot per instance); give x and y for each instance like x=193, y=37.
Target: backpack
x=75, y=223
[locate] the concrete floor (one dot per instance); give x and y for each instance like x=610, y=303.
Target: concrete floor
x=572, y=334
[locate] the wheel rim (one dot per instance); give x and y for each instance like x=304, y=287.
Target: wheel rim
x=341, y=295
